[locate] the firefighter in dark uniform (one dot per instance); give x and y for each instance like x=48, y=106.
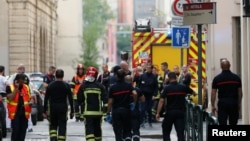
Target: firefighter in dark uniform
x=57, y=94
x=149, y=87
x=93, y=97
x=175, y=107
x=135, y=111
x=49, y=77
x=229, y=88
x=119, y=101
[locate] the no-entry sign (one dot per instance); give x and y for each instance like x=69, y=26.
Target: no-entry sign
x=177, y=7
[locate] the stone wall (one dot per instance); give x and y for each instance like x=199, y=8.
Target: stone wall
x=32, y=30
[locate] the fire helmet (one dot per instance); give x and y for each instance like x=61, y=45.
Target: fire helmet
x=80, y=66
x=91, y=74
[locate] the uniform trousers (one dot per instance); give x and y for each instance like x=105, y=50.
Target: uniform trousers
x=93, y=128
x=58, y=123
x=121, y=120
x=19, y=125
x=176, y=117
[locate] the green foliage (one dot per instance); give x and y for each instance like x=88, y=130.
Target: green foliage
x=96, y=13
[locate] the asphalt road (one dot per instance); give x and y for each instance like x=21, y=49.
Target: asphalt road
x=76, y=132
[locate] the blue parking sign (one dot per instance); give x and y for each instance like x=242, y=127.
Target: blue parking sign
x=181, y=37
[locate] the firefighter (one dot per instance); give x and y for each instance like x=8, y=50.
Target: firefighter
x=19, y=107
x=119, y=100
x=58, y=94
x=175, y=94
x=93, y=97
x=157, y=97
x=77, y=80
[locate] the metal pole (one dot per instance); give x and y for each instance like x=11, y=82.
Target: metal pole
x=181, y=57
x=199, y=64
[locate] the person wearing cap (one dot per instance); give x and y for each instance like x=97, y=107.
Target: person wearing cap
x=58, y=94
x=93, y=97
x=19, y=107
x=76, y=82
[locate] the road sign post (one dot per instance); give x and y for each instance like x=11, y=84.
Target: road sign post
x=199, y=13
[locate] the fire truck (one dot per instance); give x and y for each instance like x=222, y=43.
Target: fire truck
x=153, y=45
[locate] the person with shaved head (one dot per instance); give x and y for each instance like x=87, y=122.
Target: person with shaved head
x=228, y=85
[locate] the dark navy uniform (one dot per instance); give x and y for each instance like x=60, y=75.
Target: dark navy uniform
x=49, y=78
x=135, y=117
x=175, y=107
x=149, y=86
x=57, y=94
x=227, y=84
x=120, y=92
x=93, y=97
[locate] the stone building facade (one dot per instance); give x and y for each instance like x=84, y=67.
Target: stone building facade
x=31, y=34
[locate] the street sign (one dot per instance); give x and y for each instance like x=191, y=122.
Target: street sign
x=143, y=55
x=181, y=37
x=177, y=20
x=177, y=7
x=199, y=13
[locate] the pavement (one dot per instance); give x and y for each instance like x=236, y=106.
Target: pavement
x=76, y=132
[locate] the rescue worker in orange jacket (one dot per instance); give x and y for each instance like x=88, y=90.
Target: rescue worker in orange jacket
x=19, y=107
x=77, y=80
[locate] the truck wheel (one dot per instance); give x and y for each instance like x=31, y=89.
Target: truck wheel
x=40, y=111
x=34, y=119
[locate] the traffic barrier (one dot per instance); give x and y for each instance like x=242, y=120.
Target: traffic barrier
x=210, y=120
x=194, y=121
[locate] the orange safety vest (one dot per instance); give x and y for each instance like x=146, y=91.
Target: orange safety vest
x=13, y=104
x=77, y=86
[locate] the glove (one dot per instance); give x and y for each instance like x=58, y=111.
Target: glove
x=71, y=115
x=132, y=106
x=108, y=118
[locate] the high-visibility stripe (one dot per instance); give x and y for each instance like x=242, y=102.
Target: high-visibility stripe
x=90, y=137
x=96, y=91
x=141, y=43
x=93, y=113
x=193, y=53
x=61, y=137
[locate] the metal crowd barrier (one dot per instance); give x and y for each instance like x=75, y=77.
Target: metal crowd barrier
x=210, y=120
x=194, y=121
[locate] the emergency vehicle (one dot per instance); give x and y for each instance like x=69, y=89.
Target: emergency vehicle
x=153, y=45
